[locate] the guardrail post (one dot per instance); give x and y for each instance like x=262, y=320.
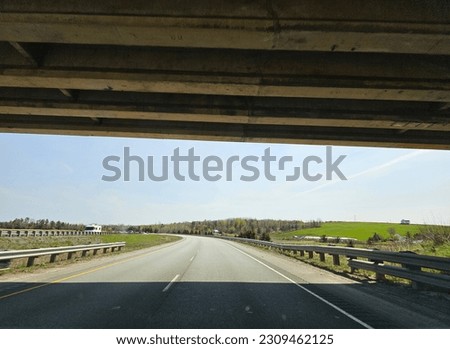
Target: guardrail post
x=310, y=254
x=4, y=265
x=119, y=248
x=94, y=252
x=378, y=275
x=322, y=256
x=70, y=255
x=302, y=253
x=84, y=253
x=53, y=257
x=352, y=270
x=105, y=250
x=336, y=260
x=30, y=261
x=414, y=284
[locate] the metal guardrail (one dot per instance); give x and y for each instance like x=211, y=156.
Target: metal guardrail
x=7, y=256
x=406, y=265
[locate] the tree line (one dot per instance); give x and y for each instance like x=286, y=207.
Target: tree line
x=241, y=227
x=29, y=223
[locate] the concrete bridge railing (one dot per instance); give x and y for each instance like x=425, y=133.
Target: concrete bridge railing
x=11, y=233
x=31, y=255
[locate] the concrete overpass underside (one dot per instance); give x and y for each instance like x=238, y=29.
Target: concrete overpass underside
x=365, y=73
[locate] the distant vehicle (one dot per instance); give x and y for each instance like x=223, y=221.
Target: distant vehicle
x=93, y=229
x=405, y=221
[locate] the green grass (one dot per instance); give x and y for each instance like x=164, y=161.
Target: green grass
x=429, y=249
x=138, y=241
x=357, y=230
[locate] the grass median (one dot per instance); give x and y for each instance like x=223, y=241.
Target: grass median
x=139, y=241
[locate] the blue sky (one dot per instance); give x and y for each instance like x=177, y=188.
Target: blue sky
x=60, y=178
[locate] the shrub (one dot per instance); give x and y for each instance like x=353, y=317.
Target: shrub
x=265, y=237
x=391, y=232
x=437, y=234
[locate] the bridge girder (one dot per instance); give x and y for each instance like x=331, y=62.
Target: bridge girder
x=285, y=71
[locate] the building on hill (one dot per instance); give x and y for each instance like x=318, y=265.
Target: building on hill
x=93, y=229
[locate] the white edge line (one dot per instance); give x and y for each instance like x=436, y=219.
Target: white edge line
x=362, y=323
x=171, y=283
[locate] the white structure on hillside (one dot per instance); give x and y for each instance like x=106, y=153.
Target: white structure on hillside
x=93, y=229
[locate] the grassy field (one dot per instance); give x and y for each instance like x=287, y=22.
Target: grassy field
x=133, y=241
x=138, y=241
x=362, y=231
x=357, y=230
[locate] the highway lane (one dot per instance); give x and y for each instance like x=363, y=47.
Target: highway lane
x=198, y=282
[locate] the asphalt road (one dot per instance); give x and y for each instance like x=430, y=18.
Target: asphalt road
x=197, y=282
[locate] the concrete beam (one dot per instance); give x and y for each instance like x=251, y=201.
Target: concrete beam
x=431, y=11
x=365, y=89
x=246, y=62
x=427, y=121
x=225, y=132
x=403, y=26
x=258, y=34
